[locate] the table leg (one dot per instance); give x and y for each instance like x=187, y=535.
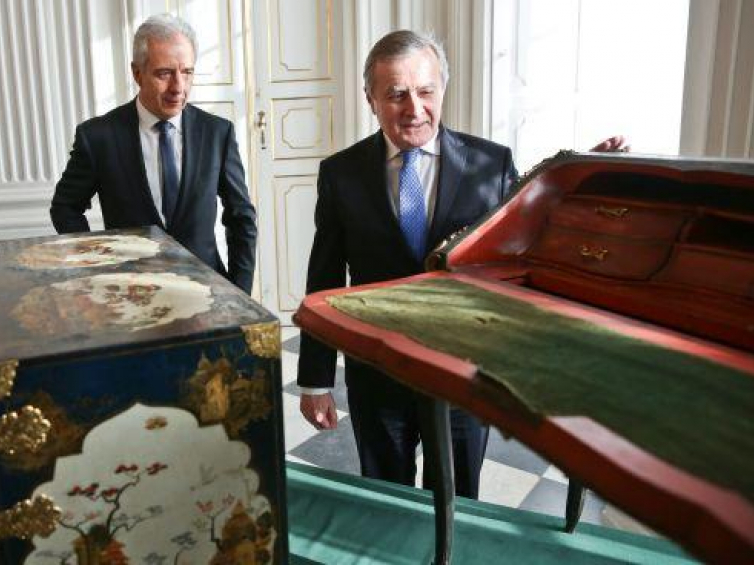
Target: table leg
x=435, y=421
x=574, y=504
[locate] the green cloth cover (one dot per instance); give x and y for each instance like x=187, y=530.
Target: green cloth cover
x=691, y=412
x=338, y=519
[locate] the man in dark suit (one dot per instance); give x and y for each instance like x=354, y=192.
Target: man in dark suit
x=361, y=221
x=160, y=161
x=383, y=203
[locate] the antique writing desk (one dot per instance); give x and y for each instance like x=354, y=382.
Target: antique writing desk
x=140, y=413
x=605, y=317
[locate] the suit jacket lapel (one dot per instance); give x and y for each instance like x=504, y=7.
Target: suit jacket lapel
x=193, y=131
x=452, y=165
x=376, y=174
x=128, y=143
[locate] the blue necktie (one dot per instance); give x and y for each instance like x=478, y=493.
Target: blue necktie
x=169, y=172
x=412, y=213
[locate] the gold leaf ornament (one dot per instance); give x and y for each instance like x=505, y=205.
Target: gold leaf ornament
x=263, y=340
x=23, y=431
x=7, y=376
x=29, y=518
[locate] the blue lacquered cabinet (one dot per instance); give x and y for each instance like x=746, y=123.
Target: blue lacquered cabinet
x=140, y=397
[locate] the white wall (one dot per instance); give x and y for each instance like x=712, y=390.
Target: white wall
x=47, y=53
x=62, y=62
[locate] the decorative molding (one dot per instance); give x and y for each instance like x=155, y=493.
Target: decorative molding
x=458, y=97
x=263, y=339
x=46, y=88
x=372, y=19
x=718, y=102
x=46, y=84
x=287, y=18
x=294, y=194
x=301, y=127
x=741, y=101
x=723, y=79
x=700, y=51
x=481, y=87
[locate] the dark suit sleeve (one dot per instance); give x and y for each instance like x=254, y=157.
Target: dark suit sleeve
x=509, y=177
x=327, y=269
x=75, y=189
x=239, y=216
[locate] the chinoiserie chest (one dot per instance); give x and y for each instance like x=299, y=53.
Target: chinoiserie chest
x=140, y=405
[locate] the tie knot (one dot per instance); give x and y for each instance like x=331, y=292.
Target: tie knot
x=410, y=156
x=163, y=126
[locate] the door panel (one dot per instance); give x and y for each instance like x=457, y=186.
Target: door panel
x=299, y=37
x=295, y=198
x=295, y=104
x=302, y=127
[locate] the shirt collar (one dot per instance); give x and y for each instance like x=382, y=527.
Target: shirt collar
x=432, y=146
x=147, y=119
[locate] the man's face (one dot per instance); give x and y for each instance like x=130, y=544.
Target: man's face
x=407, y=96
x=165, y=79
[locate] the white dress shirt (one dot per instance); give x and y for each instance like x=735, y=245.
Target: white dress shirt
x=150, y=149
x=429, y=170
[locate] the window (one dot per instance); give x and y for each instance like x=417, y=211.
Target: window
x=569, y=73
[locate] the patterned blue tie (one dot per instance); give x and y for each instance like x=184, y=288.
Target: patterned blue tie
x=412, y=213
x=169, y=172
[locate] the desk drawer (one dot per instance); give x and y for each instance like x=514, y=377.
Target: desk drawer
x=711, y=269
x=618, y=218
x=603, y=255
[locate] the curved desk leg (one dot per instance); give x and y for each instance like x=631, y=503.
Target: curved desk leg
x=574, y=504
x=435, y=421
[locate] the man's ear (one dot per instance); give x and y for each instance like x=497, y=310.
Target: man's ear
x=370, y=101
x=136, y=73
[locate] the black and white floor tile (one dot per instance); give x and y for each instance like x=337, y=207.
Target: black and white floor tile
x=512, y=475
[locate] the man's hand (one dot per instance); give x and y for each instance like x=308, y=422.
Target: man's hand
x=615, y=144
x=319, y=410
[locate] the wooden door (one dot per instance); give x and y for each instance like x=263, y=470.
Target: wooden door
x=296, y=101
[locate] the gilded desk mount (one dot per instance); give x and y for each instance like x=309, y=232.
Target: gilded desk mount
x=23, y=431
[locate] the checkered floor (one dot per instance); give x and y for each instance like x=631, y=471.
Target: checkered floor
x=512, y=475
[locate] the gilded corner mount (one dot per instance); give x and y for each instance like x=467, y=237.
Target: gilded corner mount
x=263, y=340
x=29, y=518
x=7, y=376
x=23, y=431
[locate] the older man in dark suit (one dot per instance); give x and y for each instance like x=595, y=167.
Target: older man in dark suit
x=382, y=205
x=160, y=161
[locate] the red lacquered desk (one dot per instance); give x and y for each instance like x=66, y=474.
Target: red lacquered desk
x=669, y=243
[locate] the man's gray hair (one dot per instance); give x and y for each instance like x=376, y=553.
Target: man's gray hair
x=399, y=44
x=159, y=28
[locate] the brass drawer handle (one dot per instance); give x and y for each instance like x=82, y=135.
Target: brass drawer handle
x=617, y=212
x=595, y=253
